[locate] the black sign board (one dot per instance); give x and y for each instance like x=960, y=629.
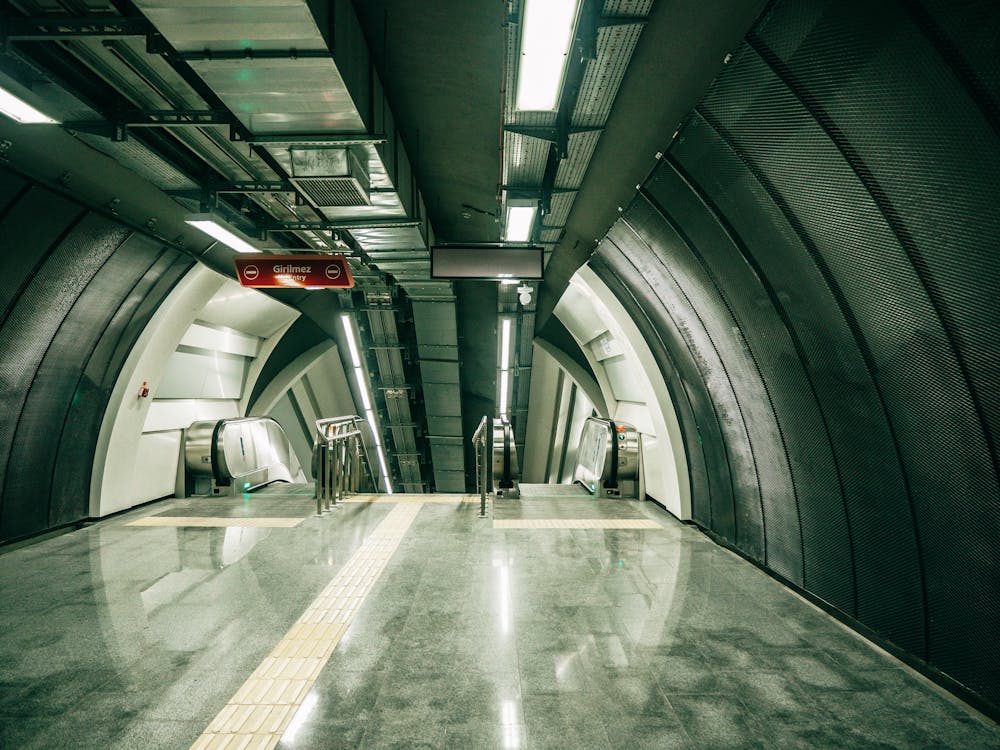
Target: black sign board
x=486, y=262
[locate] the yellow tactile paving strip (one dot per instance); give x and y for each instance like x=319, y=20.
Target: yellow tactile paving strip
x=575, y=523
x=217, y=521
x=403, y=499
x=262, y=709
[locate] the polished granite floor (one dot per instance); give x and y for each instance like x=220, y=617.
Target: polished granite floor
x=121, y=636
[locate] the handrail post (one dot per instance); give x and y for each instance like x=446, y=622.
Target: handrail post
x=482, y=482
x=335, y=485
x=320, y=464
x=479, y=442
x=328, y=488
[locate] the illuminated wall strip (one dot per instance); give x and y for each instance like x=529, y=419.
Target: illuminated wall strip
x=366, y=401
x=275, y=701
x=505, y=344
x=504, y=392
x=505, y=356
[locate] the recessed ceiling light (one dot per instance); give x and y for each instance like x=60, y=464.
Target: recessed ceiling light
x=546, y=35
x=520, y=220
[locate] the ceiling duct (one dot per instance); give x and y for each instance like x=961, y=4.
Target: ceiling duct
x=331, y=177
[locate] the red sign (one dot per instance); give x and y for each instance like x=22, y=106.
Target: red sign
x=294, y=271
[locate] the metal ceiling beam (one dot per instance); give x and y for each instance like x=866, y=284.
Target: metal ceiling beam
x=54, y=27
x=248, y=53
x=250, y=186
x=324, y=139
x=117, y=129
x=530, y=191
x=551, y=135
x=314, y=226
x=607, y=21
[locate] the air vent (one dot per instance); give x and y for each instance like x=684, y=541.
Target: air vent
x=331, y=177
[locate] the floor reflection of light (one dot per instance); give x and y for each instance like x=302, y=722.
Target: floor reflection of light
x=510, y=725
x=300, y=717
x=504, y=593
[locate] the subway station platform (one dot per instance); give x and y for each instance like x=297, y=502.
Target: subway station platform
x=408, y=621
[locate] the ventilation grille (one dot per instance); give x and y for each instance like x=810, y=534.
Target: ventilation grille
x=329, y=177
x=332, y=191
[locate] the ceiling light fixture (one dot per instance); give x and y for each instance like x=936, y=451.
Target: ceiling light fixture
x=505, y=330
x=546, y=35
x=520, y=221
x=227, y=235
x=17, y=109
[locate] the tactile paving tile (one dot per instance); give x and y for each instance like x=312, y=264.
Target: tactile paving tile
x=576, y=523
x=260, y=712
x=216, y=521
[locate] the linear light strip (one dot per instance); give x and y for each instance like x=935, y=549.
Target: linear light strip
x=359, y=376
x=216, y=231
x=505, y=356
x=17, y=109
x=505, y=344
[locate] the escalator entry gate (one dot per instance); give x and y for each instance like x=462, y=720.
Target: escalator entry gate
x=608, y=460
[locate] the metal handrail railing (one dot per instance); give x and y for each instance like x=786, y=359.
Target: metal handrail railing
x=480, y=441
x=340, y=447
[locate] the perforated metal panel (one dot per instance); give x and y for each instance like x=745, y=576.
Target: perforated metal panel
x=821, y=257
x=69, y=327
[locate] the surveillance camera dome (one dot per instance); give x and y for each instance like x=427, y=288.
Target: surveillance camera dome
x=525, y=298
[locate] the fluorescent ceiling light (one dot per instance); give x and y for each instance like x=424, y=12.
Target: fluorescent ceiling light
x=519, y=222
x=18, y=109
x=505, y=345
x=216, y=231
x=504, y=395
x=505, y=355
x=546, y=35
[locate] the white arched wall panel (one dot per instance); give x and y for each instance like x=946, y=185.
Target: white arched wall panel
x=201, y=352
x=631, y=384
x=127, y=469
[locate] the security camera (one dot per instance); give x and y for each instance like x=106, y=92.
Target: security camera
x=524, y=295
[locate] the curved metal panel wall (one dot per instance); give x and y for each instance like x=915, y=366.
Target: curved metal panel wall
x=78, y=290
x=816, y=259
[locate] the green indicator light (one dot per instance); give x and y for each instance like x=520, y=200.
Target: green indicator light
x=246, y=484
